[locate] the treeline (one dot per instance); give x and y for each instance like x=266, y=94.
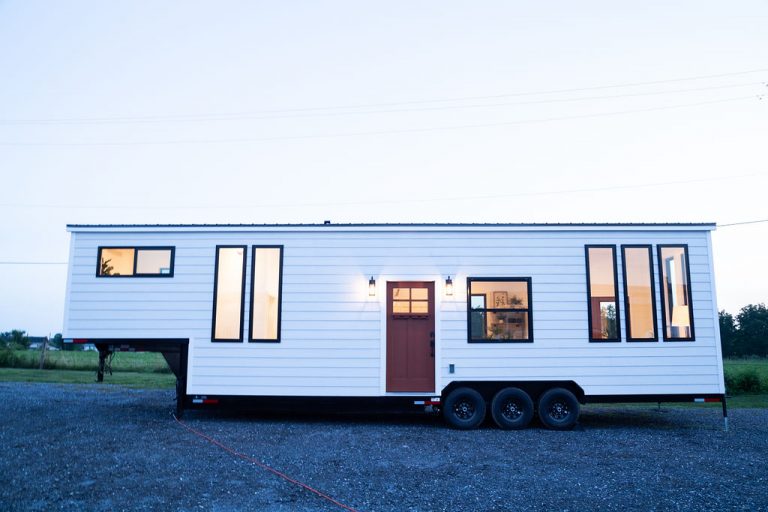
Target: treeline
x=745, y=334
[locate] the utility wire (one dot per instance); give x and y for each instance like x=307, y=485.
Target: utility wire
x=742, y=223
x=388, y=201
x=379, y=132
x=399, y=103
x=279, y=115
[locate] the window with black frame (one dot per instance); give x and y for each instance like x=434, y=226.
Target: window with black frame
x=676, y=299
x=266, y=296
x=639, y=293
x=228, y=293
x=602, y=293
x=499, y=310
x=135, y=262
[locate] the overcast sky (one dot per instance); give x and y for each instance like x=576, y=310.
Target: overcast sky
x=253, y=112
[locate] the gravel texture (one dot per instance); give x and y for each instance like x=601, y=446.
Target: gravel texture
x=72, y=447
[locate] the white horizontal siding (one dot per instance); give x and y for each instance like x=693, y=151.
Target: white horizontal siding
x=332, y=331
x=239, y=351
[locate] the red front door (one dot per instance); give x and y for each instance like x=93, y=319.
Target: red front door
x=411, y=336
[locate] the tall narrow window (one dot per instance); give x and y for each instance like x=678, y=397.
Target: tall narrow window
x=499, y=309
x=228, y=291
x=602, y=286
x=639, y=293
x=676, y=303
x=266, y=296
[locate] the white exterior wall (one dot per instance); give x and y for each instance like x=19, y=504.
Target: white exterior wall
x=333, y=337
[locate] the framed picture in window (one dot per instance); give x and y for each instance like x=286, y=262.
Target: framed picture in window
x=500, y=300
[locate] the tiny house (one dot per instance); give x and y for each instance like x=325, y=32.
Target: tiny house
x=506, y=321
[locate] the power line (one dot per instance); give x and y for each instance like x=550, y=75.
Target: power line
x=394, y=103
x=634, y=186
x=742, y=223
x=378, y=132
x=288, y=115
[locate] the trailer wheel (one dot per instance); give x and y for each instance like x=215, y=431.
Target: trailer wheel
x=558, y=409
x=464, y=408
x=512, y=409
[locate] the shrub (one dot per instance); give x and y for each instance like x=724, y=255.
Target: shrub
x=745, y=381
x=7, y=358
x=748, y=382
x=730, y=382
x=10, y=358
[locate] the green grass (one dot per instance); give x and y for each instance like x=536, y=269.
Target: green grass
x=146, y=380
x=747, y=401
x=748, y=363
x=89, y=360
x=754, y=401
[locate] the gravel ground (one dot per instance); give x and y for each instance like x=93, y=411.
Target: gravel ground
x=71, y=447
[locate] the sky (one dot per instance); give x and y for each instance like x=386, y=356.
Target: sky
x=283, y=112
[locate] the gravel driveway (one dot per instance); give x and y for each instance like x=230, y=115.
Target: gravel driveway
x=73, y=447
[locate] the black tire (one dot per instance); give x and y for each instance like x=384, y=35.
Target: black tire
x=558, y=409
x=464, y=408
x=512, y=409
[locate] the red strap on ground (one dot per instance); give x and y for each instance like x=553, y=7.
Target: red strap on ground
x=263, y=466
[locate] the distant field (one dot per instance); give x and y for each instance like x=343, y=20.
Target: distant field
x=738, y=365
x=68, y=360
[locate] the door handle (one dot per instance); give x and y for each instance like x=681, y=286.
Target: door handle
x=432, y=348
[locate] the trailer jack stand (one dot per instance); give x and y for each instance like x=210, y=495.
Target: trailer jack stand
x=105, y=364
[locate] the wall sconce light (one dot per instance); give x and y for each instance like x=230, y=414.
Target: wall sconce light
x=449, y=286
x=371, y=287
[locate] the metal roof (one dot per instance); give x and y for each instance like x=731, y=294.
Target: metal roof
x=405, y=224
x=391, y=227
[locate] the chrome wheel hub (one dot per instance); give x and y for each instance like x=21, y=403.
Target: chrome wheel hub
x=512, y=410
x=464, y=409
x=559, y=410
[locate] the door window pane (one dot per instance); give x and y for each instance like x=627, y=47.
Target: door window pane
x=602, y=284
x=407, y=301
x=266, y=294
x=228, y=293
x=401, y=294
